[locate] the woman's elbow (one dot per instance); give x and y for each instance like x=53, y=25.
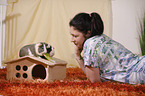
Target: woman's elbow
x=94, y=80
x=93, y=74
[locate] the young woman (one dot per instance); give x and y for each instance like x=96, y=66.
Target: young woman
x=103, y=58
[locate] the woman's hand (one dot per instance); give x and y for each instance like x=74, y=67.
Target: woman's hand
x=78, y=52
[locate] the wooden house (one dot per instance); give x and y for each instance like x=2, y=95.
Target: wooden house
x=31, y=68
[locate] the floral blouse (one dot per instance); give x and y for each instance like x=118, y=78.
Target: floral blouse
x=114, y=61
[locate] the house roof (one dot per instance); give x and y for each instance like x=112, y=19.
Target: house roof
x=44, y=61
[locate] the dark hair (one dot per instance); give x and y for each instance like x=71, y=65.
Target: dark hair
x=84, y=22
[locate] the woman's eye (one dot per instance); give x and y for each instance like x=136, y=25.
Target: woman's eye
x=75, y=36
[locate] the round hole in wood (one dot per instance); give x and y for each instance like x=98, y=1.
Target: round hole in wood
x=39, y=72
x=25, y=75
x=18, y=75
x=25, y=68
x=18, y=67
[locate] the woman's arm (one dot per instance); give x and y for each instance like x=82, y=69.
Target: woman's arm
x=81, y=62
x=91, y=73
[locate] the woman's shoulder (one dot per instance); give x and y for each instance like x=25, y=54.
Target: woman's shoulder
x=93, y=40
x=97, y=38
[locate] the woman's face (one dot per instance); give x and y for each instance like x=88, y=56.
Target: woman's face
x=77, y=37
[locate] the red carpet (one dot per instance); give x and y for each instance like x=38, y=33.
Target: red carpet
x=75, y=84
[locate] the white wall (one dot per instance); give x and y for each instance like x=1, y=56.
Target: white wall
x=126, y=15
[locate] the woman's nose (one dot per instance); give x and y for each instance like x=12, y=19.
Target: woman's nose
x=72, y=39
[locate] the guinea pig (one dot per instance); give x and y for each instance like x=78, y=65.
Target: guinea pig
x=37, y=50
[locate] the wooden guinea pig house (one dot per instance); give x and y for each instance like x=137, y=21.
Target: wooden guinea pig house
x=31, y=68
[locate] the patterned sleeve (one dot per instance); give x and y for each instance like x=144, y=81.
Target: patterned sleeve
x=90, y=55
